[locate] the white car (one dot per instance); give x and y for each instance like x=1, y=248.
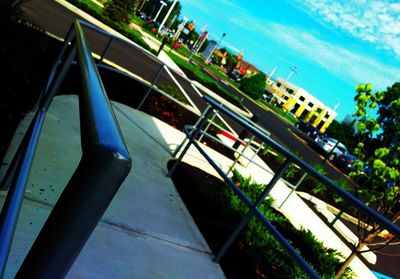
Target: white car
x=327, y=144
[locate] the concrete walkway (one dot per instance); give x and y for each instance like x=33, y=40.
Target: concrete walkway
x=146, y=232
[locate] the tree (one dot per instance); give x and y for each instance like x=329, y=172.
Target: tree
x=120, y=10
x=379, y=188
x=389, y=115
x=343, y=133
x=254, y=86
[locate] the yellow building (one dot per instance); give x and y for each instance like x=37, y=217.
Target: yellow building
x=302, y=104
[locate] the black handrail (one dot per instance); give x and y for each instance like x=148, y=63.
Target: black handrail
x=104, y=165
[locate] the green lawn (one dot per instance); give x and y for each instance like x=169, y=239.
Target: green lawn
x=206, y=80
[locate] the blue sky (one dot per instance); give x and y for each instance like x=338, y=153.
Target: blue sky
x=334, y=44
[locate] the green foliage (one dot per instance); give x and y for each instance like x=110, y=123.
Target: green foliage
x=120, y=11
x=121, y=28
x=254, y=86
x=381, y=187
x=343, y=133
x=325, y=261
x=389, y=115
x=172, y=91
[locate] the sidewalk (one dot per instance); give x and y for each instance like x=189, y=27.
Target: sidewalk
x=146, y=232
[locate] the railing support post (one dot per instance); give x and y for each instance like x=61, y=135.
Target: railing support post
x=251, y=212
x=193, y=135
x=106, y=49
x=151, y=86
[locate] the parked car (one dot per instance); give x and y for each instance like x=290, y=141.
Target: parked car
x=234, y=75
x=345, y=162
x=327, y=144
x=308, y=129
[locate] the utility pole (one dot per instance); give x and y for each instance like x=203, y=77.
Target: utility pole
x=159, y=11
x=167, y=15
x=293, y=70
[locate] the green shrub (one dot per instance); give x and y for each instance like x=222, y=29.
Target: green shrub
x=271, y=258
x=120, y=11
x=254, y=86
x=173, y=91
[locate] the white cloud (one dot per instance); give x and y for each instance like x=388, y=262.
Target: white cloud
x=374, y=21
x=344, y=63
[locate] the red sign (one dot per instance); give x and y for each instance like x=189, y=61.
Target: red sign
x=203, y=35
x=242, y=70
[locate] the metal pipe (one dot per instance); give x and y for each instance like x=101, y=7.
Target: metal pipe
x=151, y=86
x=208, y=124
x=199, y=120
x=106, y=49
x=12, y=204
x=193, y=134
x=251, y=211
x=104, y=165
x=18, y=172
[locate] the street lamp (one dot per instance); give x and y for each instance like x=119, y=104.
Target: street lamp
x=293, y=70
x=167, y=15
x=159, y=11
x=209, y=56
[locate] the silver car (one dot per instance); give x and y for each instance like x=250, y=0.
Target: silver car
x=327, y=144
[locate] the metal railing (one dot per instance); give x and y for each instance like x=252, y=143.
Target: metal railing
x=163, y=68
x=104, y=165
x=192, y=132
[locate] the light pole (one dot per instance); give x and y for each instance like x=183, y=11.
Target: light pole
x=159, y=11
x=141, y=6
x=167, y=15
x=209, y=56
x=293, y=70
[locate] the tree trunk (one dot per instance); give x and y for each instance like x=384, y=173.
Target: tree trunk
x=349, y=259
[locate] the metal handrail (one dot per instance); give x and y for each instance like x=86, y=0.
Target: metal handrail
x=145, y=52
x=104, y=165
x=344, y=194
x=192, y=132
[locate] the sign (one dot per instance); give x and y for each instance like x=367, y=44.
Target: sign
x=203, y=36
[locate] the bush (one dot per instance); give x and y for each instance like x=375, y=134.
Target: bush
x=254, y=86
x=120, y=10
x=269, y=251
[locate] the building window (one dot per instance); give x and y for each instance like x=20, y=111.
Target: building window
x=290, y=91
x=278, y=84
x=286, y=98
x=327, y=116
x=310, y=104
x=319, y=110
x=302, y=98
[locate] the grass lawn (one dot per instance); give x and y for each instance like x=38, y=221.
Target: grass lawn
x=195, y=72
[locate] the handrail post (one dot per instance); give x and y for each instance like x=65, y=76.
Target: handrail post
x=151, y=86
x=106, y=49
x=199, y=120
x=208, y=111
x=251, y=212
